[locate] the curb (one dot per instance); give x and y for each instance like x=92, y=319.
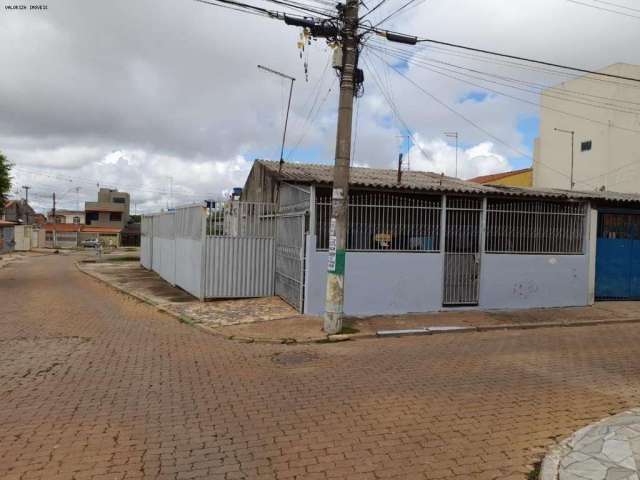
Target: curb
x=354, y=336
x=550, y=467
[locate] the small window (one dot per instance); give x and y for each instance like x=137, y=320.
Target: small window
x=118, y=200
x=76, y=219
x=92, y=217
x=115, y=216
x=585, y=146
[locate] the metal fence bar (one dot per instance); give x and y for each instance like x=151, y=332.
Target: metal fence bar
x=535, y=227
x=384, y=222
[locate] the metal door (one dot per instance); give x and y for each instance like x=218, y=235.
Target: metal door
x=290, y=258
x=462, y=251
x=618, y=257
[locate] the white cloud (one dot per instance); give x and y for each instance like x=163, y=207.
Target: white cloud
x=472, y=162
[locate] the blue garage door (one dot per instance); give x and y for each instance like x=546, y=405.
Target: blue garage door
x=618, y=257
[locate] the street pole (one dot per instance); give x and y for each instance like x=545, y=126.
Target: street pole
x=454, y=135
x=334, y=302
x=26, y=201
x=54, y=219
x=286, y=119
x=572, y=133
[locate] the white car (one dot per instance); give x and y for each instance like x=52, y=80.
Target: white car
x=91, y=243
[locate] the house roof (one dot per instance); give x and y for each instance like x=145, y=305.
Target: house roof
x=498, y=176
x=431, y=182
x=372, y=177
x=74, y=227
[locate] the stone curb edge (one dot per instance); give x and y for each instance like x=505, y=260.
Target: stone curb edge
x=550, y=467
x=351, y=336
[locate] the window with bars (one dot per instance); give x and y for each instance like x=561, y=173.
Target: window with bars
x=384, y=222
x=535, y=227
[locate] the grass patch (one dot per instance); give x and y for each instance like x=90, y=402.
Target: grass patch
x=348, y=330
x=535, y=473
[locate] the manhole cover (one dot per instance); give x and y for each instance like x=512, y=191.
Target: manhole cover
x=294, y=358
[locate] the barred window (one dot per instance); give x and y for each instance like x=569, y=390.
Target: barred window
x=384, y=222
x=535, y=227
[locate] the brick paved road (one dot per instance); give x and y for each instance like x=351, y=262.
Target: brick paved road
x=96, y=385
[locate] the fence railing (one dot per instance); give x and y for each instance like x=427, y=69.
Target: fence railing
x=241, y=219
x=535, y=227
x=385, y=222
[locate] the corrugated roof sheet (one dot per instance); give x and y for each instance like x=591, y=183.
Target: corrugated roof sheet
x=431, y=182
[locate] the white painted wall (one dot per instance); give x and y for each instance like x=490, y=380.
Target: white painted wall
x=378, y=283
x=614, y=159
x=531, y=281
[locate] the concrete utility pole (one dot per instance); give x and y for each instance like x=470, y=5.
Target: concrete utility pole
x=573, y=133
x=334, y=304
x=26, y=201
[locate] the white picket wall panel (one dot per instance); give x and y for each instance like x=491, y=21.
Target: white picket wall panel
x=238, y=267
x=146, y=241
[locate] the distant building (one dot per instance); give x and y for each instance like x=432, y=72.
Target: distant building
x=18, y=211
x=514, y=178
x=111, y=209
x=67, y=216
x=603, y=115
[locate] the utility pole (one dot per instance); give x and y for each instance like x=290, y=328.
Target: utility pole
x=341, y=31
x=334, y=303
x=286, y=119
x=53, y=210
x=454, y=135
x=573, y=133
x=26, y=201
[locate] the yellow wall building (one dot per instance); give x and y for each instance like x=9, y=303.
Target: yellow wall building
x=515, y=178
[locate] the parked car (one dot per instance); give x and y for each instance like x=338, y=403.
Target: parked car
x=91, y=243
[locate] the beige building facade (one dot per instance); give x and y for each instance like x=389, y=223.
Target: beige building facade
x=111, y=209
x=604, y=115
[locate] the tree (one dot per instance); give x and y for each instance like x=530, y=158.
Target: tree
x=5, y=180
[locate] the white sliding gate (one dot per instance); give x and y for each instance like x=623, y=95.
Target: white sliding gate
x=226, y=251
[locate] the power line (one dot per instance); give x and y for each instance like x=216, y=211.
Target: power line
x=508, y=95
x=398, y=10
x=604, y=9
x=412, y=39
x=562, y=91
x=422, y=62
x=604, y=2
x=394, y=107
x=373, y=9
x=311, y=120
x=468, y=120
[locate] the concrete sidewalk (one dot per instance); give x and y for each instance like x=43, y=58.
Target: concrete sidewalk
x=272, y=320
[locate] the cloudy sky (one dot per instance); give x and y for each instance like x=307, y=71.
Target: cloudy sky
x=157, y=95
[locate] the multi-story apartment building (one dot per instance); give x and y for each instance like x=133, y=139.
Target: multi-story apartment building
x=590, y=132
x=111, y=209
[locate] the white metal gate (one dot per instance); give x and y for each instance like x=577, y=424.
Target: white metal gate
x=290, y=258
x=462, y=251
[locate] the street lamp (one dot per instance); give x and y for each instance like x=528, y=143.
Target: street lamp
x=572, y=137
x=454, y=135
x=286, y=120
